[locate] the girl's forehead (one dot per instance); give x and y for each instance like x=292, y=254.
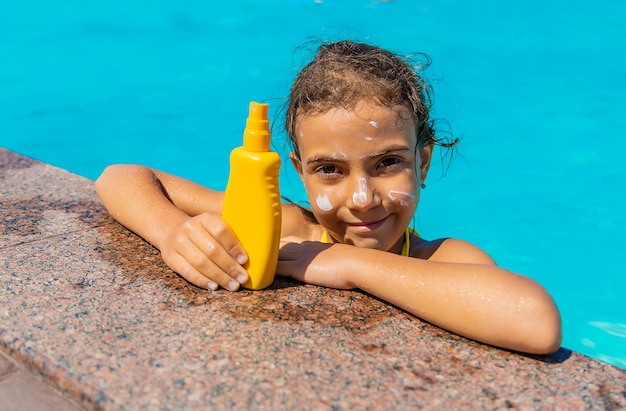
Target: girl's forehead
x=364, y=114
x=364, y=128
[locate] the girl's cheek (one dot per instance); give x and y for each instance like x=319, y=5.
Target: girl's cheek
x=323, y=202
x=402, y=197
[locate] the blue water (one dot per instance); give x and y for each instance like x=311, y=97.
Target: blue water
x=536, y=90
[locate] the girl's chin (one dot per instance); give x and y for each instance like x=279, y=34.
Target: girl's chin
x=379, y=235
x=372, y=242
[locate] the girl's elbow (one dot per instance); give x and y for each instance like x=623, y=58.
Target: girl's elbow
x=546, y=341
x=552, y=337
x=100, y=183
x=107, y=174
x=115, y=175
x=543, y=328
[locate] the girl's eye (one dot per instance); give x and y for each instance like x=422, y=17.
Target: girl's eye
x=328, y=171
x=390, y=162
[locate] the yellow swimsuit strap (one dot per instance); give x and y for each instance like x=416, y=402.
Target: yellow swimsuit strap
x=406, y=247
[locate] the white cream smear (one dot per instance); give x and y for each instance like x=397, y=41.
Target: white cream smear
x=323, y=202
x=402, y=197
x=359, y=198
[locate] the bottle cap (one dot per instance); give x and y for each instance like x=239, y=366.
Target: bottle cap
x=256, y=136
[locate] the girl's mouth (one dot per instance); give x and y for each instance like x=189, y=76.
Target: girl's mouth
x=366, y=226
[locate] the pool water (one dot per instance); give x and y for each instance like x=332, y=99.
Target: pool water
x=536, y=90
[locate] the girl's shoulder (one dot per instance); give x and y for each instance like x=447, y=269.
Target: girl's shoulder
x=451, y=250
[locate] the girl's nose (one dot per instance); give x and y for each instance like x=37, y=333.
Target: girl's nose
x=364, y=196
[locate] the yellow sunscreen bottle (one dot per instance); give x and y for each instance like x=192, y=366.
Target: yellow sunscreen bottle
x=252, y=199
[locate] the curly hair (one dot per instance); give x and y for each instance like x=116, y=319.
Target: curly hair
x=344, y=73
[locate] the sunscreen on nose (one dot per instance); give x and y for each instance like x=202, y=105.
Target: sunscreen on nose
x=359, y=198
x=252, y=206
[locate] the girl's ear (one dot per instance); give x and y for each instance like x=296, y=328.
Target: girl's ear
x=426, y=153
x=297, y=164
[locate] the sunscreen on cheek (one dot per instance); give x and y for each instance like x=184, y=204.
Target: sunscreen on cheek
x=405, y=199
x=323, y=203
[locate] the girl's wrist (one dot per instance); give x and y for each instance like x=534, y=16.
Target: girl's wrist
x=161, y=232
x=349, y=271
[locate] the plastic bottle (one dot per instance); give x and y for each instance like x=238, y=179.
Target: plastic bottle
x=252, y=205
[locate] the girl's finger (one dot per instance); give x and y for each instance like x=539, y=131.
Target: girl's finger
x=179, y=264
x=209, y=267
x=219, y=229
x=210, y=259
x=197, y=253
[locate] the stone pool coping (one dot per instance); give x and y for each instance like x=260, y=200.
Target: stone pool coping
x=90, y=310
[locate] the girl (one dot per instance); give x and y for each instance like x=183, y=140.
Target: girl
x=358, y=120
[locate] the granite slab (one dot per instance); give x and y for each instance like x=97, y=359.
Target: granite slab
x=91, y=309
x=38, y=200
x=20, y=390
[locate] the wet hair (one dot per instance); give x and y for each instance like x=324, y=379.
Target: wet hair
x=344, y=73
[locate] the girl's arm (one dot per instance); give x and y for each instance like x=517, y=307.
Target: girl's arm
x=180, y=218
x=459, y=289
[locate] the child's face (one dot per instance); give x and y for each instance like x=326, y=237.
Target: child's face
x=359, y=170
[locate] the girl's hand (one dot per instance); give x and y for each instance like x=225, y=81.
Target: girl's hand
x=313, y=262
x=205, y=251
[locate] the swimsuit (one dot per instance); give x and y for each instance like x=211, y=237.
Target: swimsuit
x=406, y=247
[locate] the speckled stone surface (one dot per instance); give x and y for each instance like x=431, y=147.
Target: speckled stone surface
x=21, y=391
x=91, y=309
x=40, y=201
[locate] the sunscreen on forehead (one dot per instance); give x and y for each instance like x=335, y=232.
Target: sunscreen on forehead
x=252, y=206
